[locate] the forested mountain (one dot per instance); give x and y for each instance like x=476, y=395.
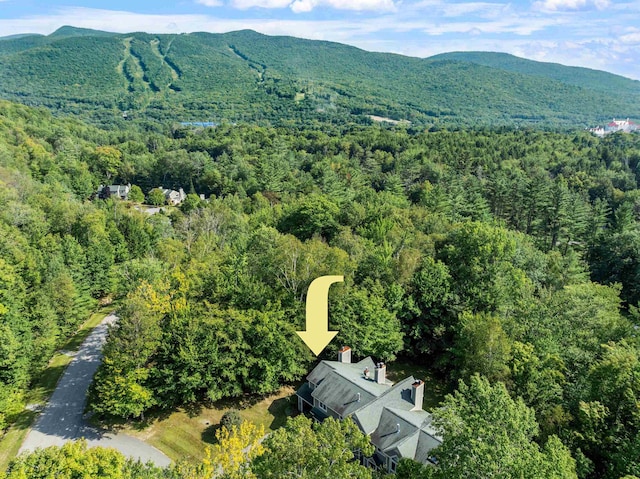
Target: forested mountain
x=582, y=77
x=19, y=35
x=246, y=76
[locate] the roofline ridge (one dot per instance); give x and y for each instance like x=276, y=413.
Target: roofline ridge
x=423, y=423
x=325, y=362
x=346, y=379
x=353, y=382
x=391, y=410
x=398, y=384
x=330, y=361
x=334, y=370
x=433, y=436
x=419, y=431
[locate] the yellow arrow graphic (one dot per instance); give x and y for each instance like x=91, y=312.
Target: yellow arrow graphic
x=317, y=335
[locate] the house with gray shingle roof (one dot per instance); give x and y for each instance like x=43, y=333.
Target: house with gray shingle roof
x=174, y=197
x=390, y=414
x=116, y=191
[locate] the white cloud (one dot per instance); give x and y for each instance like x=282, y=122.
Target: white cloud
x=480, y=8
x=304, y=6
x=450, y=10
x=631, y=38
x=626, y=6
x=210, y=3
x=245, y=4
x=567, y=5
x=513, y=25
x=300, y=6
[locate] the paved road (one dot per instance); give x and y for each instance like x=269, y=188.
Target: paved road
x=62, y=418
x=150, y=210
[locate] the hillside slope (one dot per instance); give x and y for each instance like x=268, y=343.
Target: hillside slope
x=246, y=76
x=582, y=77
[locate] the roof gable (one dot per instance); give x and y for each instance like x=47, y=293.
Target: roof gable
x=392, y=430
x=342, y=395
x=398, y=396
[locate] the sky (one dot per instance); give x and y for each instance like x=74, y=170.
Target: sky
x=599, y=34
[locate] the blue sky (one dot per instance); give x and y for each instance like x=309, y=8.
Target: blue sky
x=601, y=34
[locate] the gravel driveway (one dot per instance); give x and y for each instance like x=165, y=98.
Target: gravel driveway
x=62, y=419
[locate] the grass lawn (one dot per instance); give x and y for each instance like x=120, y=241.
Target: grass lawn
x=185, y=433
x=434, y=389
x=13, y=438
x=43, y=386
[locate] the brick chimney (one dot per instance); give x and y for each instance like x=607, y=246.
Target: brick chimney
x=417, y=394
x=380, y=373
x=344, y=355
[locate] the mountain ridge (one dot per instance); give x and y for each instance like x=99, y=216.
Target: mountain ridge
x=71, y=31
x=17, y=36
x=248, y=76
x=580, y=76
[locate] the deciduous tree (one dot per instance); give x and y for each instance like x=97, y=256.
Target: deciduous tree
x=306, y=450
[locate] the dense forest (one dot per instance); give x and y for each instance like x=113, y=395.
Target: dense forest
x=506, y=260
x=248, y=77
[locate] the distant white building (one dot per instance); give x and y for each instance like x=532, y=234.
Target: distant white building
x=621, y=125
x=598, y=131
x=626, y=126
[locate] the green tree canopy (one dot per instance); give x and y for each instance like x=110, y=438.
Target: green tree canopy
x=135, y=194
x=156, y=197
x=75, y=460
x=309, y=450
x=487, y=434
